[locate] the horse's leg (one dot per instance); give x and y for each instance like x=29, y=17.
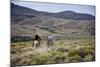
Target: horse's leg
x=38, y=43
x=34, y=45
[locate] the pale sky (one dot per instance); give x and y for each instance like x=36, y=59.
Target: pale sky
x=55, y=7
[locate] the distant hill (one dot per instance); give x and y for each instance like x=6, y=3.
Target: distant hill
x=62, y=24
x=19, y=10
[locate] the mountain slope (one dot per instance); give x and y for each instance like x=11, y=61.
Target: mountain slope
x=19, y=10
x=63, y=24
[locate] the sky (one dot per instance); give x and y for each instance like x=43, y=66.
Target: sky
x=57, y=7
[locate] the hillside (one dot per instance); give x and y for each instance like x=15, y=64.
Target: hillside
x=61, y=25
x=19, y=10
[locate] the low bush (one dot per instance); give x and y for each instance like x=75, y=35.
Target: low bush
x=75, y=58
x=57, y=56
x=73, y=52
x=89, y=58
x=41, y=59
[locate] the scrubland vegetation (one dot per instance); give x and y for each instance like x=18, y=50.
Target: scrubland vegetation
x=63, y=51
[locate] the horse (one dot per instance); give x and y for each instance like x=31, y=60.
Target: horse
x=50, y=43
x=36, y=43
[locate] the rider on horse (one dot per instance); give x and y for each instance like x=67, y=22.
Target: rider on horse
x=37, y=37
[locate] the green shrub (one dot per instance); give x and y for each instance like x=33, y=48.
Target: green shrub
x=75, y=58
x=24, y=61
x=61, y=43
x=40, y=59
x=73, y=52
x=62, y=49
x=88, y=51
x=89, y=58
x=57, y=56
x=15, y=60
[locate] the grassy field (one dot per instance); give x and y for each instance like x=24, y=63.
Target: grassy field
x=63, y=51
